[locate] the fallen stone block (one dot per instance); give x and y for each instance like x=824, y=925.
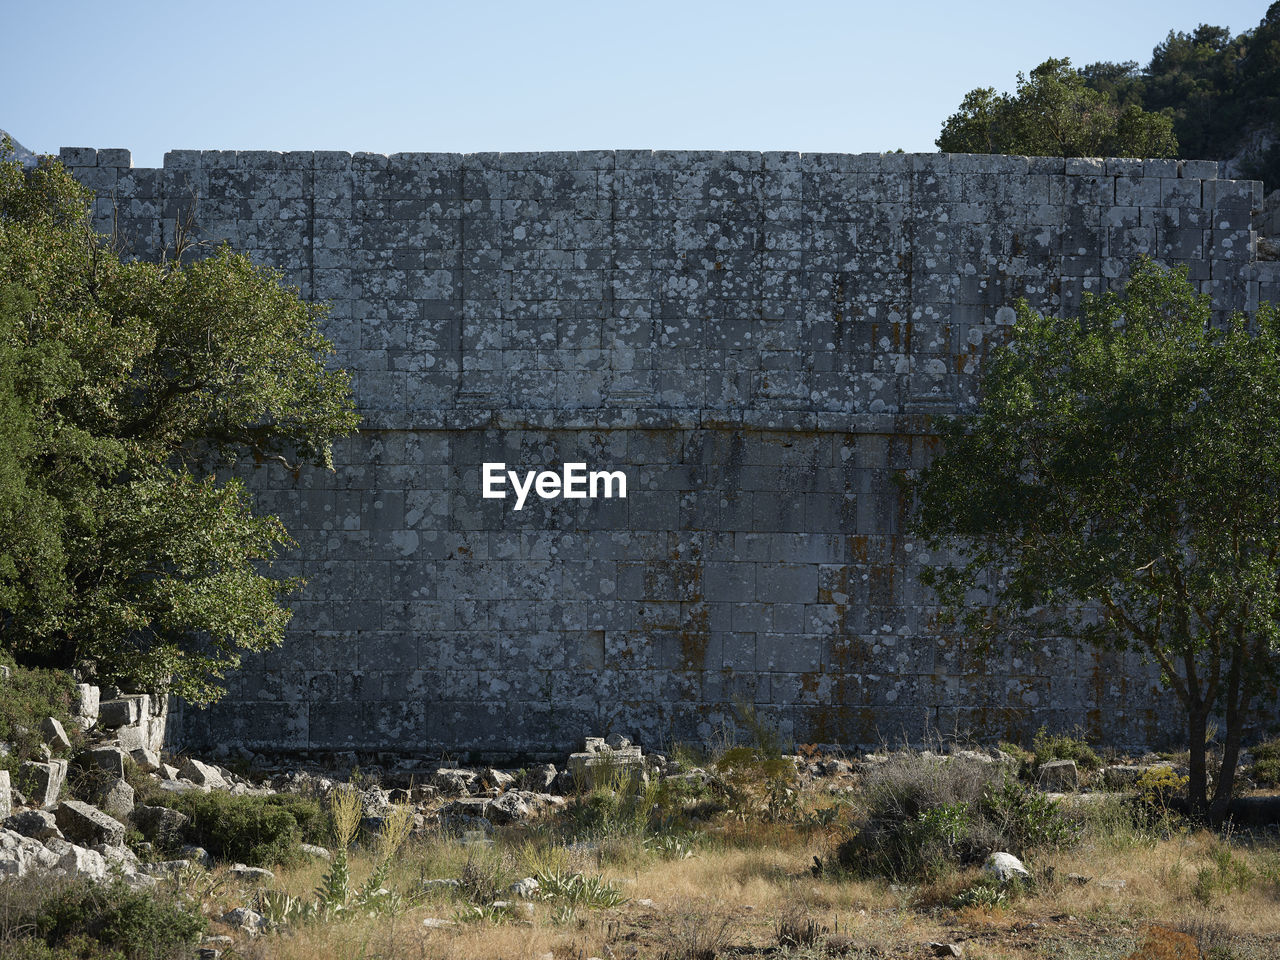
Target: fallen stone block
x=107, y=757
x=119, y=713
x=202, y=774
x=83, y=863
x=242, y=918
x=115, y=798
x=508, y=808
x=540, y=777
x=85, y=824
x=1005, y=867
x=36, y=824
x=160, y=825
x=43, y=781
x=85, y=708
x=454, y=782
x=252, y=874
x=54, y=736
x=1059, y=776
x=147, y=760
x=609, y=768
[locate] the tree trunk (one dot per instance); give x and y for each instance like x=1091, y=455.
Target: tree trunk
x=1198, y=784
x=1235, y=712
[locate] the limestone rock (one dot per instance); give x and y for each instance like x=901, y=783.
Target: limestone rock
x=160, y=825
x=311, y=850
x=1059, y=776
x=19, y=854
x=1005, y=867
x=242, y=918
x=107, y=757
x=119, y=713
x=115, y=798
x=199, y=854
x=454, y=782
x=84, y=863
x=53, y=734
x=44, y=780
x=6, y=794
x=36, y=824
x=147, y=760
x=508, y=808
x=82, y=823
x=496, y=778
x=85, y=708
x=252, y=874
x=526, y=889
x=539, y=777
x=201, y=774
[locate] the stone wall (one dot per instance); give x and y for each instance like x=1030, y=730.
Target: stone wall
x=758, y=340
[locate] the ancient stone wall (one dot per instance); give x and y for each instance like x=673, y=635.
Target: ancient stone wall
x=756, y=340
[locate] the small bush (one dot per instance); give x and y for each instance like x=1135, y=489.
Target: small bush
x=258, y=831
x=925, y=815
x=102, y=922
x=1062, y=746
x=1266, y=763
x=30, y=695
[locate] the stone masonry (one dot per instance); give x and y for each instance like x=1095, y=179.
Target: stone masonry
x=758, y=340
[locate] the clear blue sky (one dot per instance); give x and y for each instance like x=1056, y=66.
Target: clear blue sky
x=539, y=74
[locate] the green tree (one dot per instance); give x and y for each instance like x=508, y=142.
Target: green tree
x=1221, y=91
x=1055, y=113
x=1119, y=482
x=124, y=389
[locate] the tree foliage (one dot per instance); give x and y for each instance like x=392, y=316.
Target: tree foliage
x=124, y=388
x=1119, y=482
x=1054, y=113
x=1222, y=91
x=1204, y=95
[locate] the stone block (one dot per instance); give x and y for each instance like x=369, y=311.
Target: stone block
x=201, y=774
x=54, y=736
x=87, y=825
x=42, y=782
x=36, y=824
x=161, y=825
x=85, y=707
x=120, y=712
x=6, y=794
x=115, y=798
x=147, y=760
x=1059, y=776
x=107, y=757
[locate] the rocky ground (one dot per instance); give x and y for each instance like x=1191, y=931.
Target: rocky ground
x=111, y=837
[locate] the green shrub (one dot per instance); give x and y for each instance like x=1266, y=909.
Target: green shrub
x=1062, y=746
x=258, y=831
x=925, y=815
x=89, y=921
x=30, y=695
x=1266, y=763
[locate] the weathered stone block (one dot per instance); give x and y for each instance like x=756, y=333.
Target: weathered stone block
x=160, y=825
x=107, y=757
x=42, y=782
x=1059, y=776
x=115, y=798
x=87, y=825
x=120, y=712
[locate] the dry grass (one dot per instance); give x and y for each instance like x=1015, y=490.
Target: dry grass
x=750, y=889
